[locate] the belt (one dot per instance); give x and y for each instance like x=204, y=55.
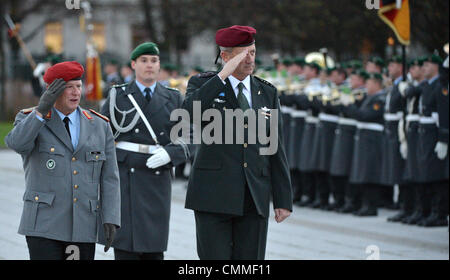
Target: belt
x=434, y=119
x=138, y=148
x=393, y=117
x=328, y=118
x=286, y=109
x=345, y=121
x=310, y=119
x=298, y=114
x=370, y=126
x=412, y=118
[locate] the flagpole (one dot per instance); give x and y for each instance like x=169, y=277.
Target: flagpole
x=404, y=62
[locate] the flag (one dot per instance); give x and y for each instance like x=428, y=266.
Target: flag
x=395, y=13
x=93, y=75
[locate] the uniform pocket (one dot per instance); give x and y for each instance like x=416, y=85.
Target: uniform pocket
x=95, y=161
x=36, y=210
x=51, y=158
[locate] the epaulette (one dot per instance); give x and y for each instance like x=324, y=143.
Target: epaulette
x=99, y=115
x=27, y=111
x=264, y=81
x=206, y=74
x=174, y=89
x=119, y=86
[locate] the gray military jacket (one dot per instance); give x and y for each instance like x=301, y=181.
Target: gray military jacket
x=67, y=190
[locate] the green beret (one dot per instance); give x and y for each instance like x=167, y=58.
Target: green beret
x=169, y=67
x=287, y=61
x=361, y=73
x=415, y=62
x=377, y=61
x=145, y=48
x=375, y=76
x=356, y=64
x=331, y=69
x=299, y=61
x=434, y=58
x=198, y=69
x=54, y=59
x=396, y=59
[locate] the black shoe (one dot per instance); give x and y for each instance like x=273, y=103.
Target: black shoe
x=324, y=206
x=304, y=203
x=367, y=212
x=414, y=218
x=316, y=204
x=398, y=218
x=348, y=208
x=333, y=206
x=437, y=222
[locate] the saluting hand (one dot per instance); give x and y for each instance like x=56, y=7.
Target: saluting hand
x=232, y=64
x=281, y=214
x=49, y=97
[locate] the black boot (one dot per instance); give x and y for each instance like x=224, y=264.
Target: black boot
x=369, y=202
x=407, y=203
x=439, y=210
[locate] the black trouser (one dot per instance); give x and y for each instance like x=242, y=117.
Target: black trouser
x=309, y=184
x=323, y=187
x=135, y=256
x=338, y=188
x=297, y=184
x=231, y=237
x=371, y=195
x=354, y=194
x=439, y=199
x=48, y=249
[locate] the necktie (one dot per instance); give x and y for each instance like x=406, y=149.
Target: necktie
x=242, y=100
x=66, y=122
x=148, y=94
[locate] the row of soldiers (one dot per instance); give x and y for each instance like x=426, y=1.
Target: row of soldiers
x=353, y=135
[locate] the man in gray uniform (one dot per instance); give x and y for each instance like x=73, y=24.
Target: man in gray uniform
x=71, y=174
x=146, y=156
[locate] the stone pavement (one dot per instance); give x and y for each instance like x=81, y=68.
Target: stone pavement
x=306, y=235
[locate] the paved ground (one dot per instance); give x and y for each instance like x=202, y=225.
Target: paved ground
x=307, y=234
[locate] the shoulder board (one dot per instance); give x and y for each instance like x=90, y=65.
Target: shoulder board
x=264, y=81
x=27, y=111
x=169, y=88
x=206, y=74
x=119, y=86
x=99, y=115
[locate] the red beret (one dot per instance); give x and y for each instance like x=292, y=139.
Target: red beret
x=235, y=36
x=68, y=70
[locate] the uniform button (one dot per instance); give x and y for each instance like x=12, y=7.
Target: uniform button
x=136, y=130
x=36, y=198
x=98, y=207
x=157, y=172
x=245, y=145
x=74, y=159
x=132, y=170
x=75, y=200
x=76, y=186
x=245, y=164
x=52, y=149
x=245, y=125
x=75, y=172
x=96, y=157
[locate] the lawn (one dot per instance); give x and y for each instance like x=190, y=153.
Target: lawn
x=4, y=129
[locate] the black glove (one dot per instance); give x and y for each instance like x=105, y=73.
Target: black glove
x=110, y=231
x=49, y=97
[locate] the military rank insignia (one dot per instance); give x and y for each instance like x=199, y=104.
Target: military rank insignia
x=376, y=106
x=445, y=91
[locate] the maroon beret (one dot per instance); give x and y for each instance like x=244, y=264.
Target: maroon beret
x=235, y=36
x=68, y=70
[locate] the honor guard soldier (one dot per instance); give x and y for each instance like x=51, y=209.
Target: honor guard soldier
x=71, y=174
x=341, y=157
x=393, y=163
x=140, y=119
x=366, y=161
x=231, y=184
x=409, y=197
x=433, y=145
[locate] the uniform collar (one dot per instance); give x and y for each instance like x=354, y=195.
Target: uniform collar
x=73, y=117
x=430, y=81
x=142, y=87
x=398, y=80
x=234, y=82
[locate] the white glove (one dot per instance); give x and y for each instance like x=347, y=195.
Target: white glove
x=402, y=86
x=441, y=150
x=159, y=158
x=404, y=149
